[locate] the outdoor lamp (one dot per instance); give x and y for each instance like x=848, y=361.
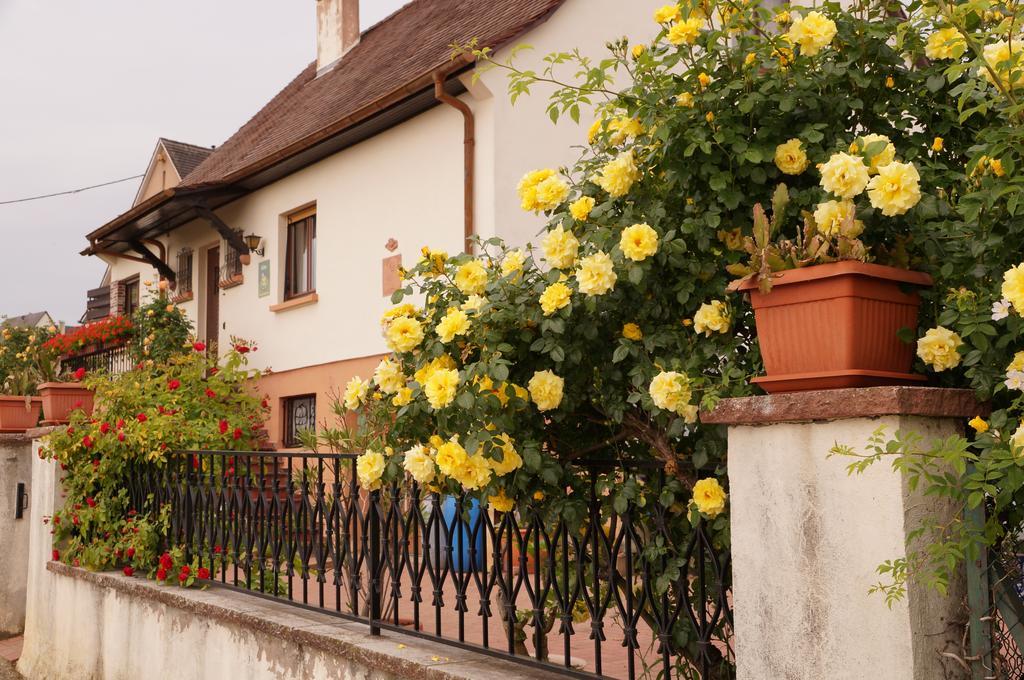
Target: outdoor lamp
x=254, y=243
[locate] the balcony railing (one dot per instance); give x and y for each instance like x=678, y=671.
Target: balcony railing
x=609, y=595
x=112, y=359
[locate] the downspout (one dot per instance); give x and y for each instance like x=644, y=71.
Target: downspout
x=469, y=153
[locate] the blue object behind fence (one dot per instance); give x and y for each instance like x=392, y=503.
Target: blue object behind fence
x=461, y=558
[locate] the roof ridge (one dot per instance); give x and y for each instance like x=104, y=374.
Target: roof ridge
x=164, y=140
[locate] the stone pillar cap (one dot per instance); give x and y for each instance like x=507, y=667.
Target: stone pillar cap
x=856, y=402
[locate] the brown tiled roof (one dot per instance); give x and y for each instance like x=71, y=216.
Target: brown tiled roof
x=400, y=50
x=185, y=157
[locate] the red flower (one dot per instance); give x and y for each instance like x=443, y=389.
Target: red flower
x=223, y=425
x=56, y=556
x=79, y=374
x=242, y=349
x=210, y=393
x=75, y=562
x=203, y=573
x=214, y=371
x=120, y=423
x=185, y=569
x=217, y=549
x=130, y=553
x=265, y=403
x=166, y=561
x=161, y=574
x=237, y=434
x=95, y=463
x=141, y=418
x=104, y=428
x=87, y=441
x=120, y=436
x=182, y=577
x=161, y=410
x=128, y=571
x=173, y=384
x=199, y=346
x=230, y=471
x=91, y=502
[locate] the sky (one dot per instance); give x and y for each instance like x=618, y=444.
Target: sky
x=86, y=88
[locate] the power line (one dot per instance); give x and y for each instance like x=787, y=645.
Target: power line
x=72, y=191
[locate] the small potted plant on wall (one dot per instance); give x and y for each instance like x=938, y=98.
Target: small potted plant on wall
x=60, y=398
x=826, y=316
x=19, y=407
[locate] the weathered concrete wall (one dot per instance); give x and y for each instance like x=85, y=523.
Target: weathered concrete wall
x=15, y=467
x=807, y=539
x=91, y=626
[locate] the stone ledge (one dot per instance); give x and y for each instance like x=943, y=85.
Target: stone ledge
x=861, y=402
x=40, y=432
x=404, y=656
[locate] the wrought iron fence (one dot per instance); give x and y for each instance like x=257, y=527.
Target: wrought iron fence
x=627, y=600
x=114, y=360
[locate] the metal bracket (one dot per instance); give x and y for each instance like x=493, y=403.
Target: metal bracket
x=20, y=501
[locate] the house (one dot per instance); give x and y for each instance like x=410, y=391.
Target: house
x=33, y=320
x=291, y=232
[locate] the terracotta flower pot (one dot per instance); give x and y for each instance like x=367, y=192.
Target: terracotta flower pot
x=835, y=325
x=60, y=399
x=18, y=414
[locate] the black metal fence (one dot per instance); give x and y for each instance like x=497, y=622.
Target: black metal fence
x=612, y=595
x=113, y=360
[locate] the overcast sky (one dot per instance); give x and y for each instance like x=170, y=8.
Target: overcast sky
x=86, y=88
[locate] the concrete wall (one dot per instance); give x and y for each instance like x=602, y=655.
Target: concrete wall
x=15, y=467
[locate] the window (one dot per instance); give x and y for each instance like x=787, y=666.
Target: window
x=300, y=255
x=131, y=295
x=299, y=415
x=184, y=272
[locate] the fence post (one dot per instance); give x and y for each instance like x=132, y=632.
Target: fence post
x=979, y=602
x=373, y=561
x=808, y=536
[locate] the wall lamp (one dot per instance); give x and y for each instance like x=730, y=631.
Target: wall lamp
x=254, y=243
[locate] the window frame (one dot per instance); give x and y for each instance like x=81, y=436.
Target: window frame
x=308, y=219
x=287, y=403
x=129, y=303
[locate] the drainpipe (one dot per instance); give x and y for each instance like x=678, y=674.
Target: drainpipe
x=469, y=153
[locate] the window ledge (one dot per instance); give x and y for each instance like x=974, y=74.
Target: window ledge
x=301, y=301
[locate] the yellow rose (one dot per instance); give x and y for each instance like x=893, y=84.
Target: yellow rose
x=712, y=317
x=790, y=157
x=639, y=242
x=938, y=348
x=749, y=59
x=704, y=79
x=554, y=297
x=946, y=43
x=684, y=99
x=541, y=190
x=638, y=51
x=667, y=13
x=709, y=497
x=355, y=393
x=709, y=116
x=546, y=390
x=471, y=278
x=835, y=218
x=937, y=144
x=395, y=312
x=1017, y=364
x=1017, y=441
x=473, y=473
x=844, y=175
x=402, y=397
x=881, y=158
x=596, y=274
x=979, y=424
x=889, y=82
x=996, y=166
x=436, y=259
x=404, y=334
x=622, y=129
x=389, y=376
x=560, y=248
x=782, y=17
x=441, y=386
x=369, y=469
x=513, y=262
x=473, y=303
x=813, y=32
x=510, y=458
x=455, y=322
x=670, y=391
x=1003, y=58
x=450, y=457
x=1013, y=287
x=618, y=175
x=631, y=331
x=685, y=32
x=581, y=207
x=595, y=128
x=420, y=464
x=428, y=369
x=501, y=502
x=895, y=189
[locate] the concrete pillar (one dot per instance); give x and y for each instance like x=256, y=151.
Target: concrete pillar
x=807, y=537
x=15, y=469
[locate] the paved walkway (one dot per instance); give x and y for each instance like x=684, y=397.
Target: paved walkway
x=10, y=650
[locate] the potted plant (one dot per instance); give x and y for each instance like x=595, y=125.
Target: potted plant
x=60, y=398
x=19, y=407
x=825, y=316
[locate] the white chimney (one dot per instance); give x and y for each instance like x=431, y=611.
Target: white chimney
x=337, y=31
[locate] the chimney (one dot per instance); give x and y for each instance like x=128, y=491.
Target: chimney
x=337, y=31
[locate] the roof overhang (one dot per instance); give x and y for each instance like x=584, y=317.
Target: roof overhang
x=175, y=207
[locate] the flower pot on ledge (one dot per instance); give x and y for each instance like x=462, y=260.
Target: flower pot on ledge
x=836, y=325
x=59, y=399
x=18, y=414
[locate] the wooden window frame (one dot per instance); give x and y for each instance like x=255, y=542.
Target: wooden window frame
x=309, y=217
x=286, y=405
x=126, y=301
